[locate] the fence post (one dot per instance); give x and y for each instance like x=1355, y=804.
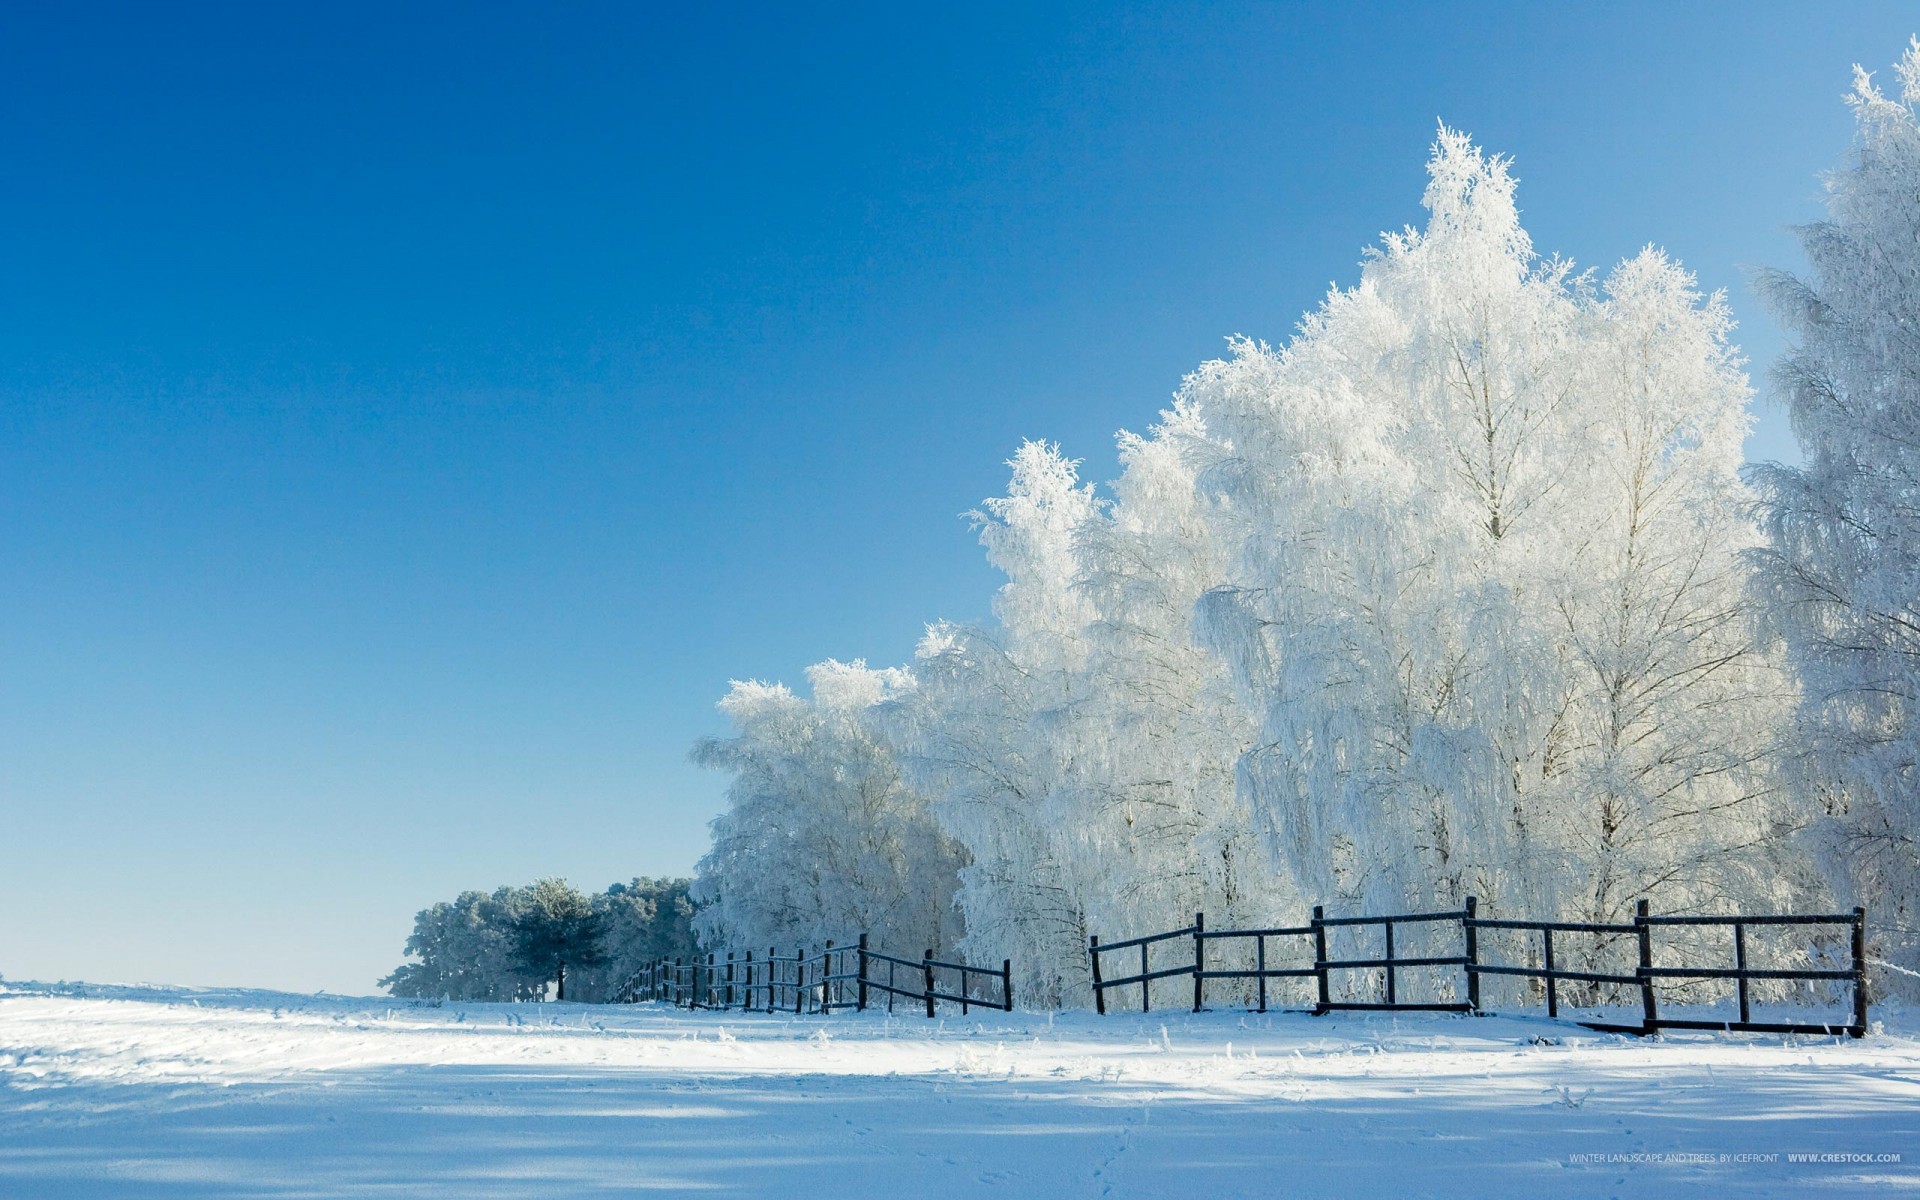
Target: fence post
x=926, y=962
x=799, y=979
x=1472, y=932
x=1553, y=991
x=1199, y=958
x=1320, y=955
x=1649, y=1014
x=713, y=974
x=1006, y=982
x=1859, y=973
x=1392, y=994
x=773, y=968
x=1099, y=993
x=1740, y=965
x=727, y=1001
x=861, y=1006
x=746, y=1001
x=1260, y=965
x=826, y=979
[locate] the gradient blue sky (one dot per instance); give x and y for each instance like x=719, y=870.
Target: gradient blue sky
x=409, y=421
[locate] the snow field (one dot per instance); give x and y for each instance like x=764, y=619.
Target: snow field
x=137, y=1092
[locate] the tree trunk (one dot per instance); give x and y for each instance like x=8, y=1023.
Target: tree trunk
x=561, y=993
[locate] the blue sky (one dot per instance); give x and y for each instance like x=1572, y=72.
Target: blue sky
x=410, y=421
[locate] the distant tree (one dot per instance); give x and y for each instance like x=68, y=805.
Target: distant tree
x=558, y=927
x=464, y=950
x=646, y=920
x=502, y=946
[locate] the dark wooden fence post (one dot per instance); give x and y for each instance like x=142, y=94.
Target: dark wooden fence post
x=1859, y=973
x=1553, y=990
x=1260, y=965
x=1392, y=992
x=799, y=979
x=1740, y=965
x=773, y=961
x=827, y=984
x=746, y=1000
x=713, y=976
x=926, y=963
x=1006, y=983
x=1473, y=955
x=861, y=959
x=1649, y=1014
x=1099, y=993
x=1199, y=959
x=1320, y=956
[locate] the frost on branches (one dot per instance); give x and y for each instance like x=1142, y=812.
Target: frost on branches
x=1488, y=600
x=1447, y=596
x=1843, y=572
x=822, y=837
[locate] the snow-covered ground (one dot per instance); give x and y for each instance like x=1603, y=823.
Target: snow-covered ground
x=137, y=1092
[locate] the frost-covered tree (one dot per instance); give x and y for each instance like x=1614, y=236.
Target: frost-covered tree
x=1488, y=606
x=644, y=920
x=1445, y=597
x=822, y=837
x=464, y=950
x=1082, y=748
x=1842, y=571
x=470, y=949
x=984, y=730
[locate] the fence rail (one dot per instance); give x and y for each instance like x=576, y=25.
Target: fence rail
x=835, y=978
x=1472, y=964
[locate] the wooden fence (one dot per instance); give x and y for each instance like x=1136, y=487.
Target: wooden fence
x=834, y=979
x=1306, y=946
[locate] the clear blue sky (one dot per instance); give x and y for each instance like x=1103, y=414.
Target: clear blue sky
x=410, y=421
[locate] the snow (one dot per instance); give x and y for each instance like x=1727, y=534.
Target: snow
x=147, y=1091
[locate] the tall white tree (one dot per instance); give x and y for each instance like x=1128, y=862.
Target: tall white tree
x=1489, y=604
x=1082, y=749
x=822, y=837
x=1842, y=571
x=983, y=731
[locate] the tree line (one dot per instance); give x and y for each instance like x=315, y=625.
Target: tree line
x=516, y=942
x=1462, y=590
